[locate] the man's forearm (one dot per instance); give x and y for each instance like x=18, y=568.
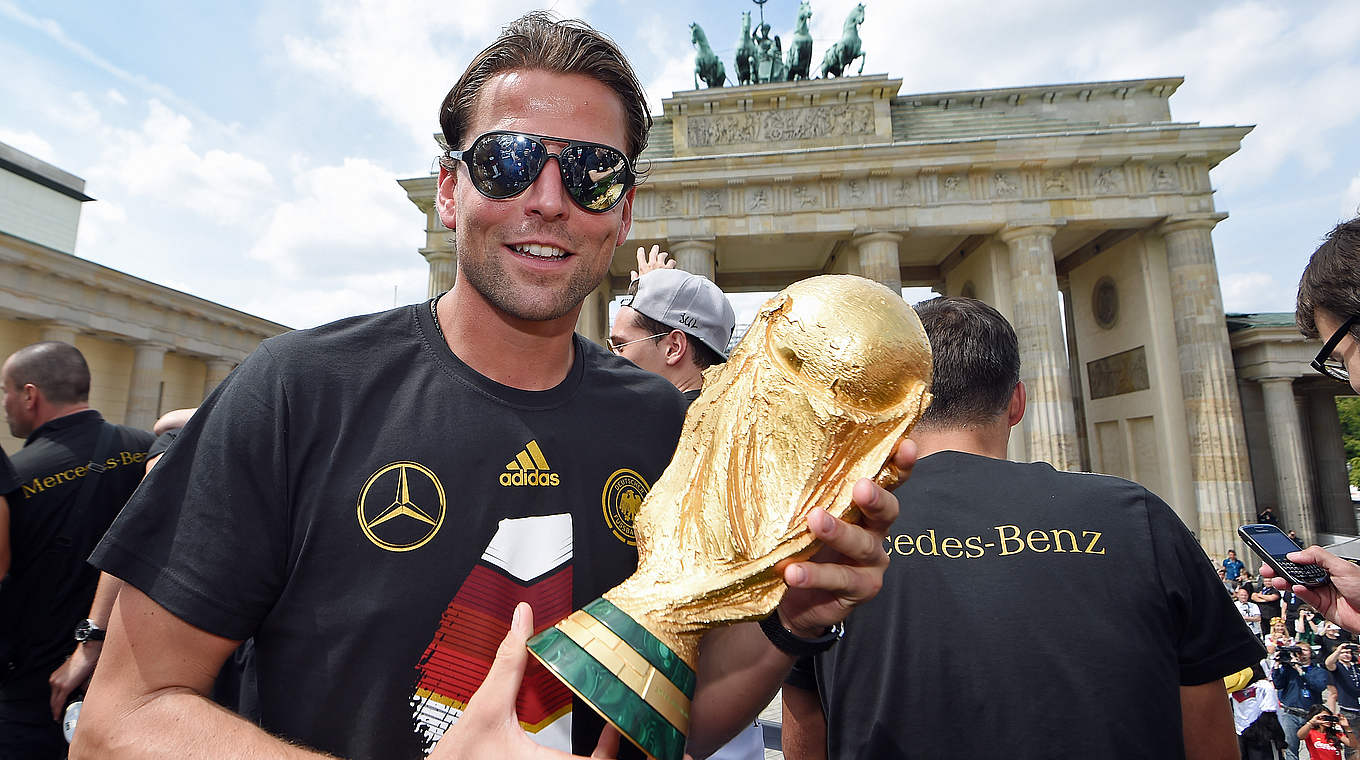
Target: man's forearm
x=804, y=729
x=177, y=724
x=105, y=594
x=739, y=673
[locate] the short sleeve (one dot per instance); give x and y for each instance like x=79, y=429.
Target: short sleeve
x=207, y=534
x=9, y=479
x=1211, y=639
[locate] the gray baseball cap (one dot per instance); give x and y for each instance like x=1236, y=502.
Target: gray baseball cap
x=689, y=303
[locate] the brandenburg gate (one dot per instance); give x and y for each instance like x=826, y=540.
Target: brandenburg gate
x=1083, y=212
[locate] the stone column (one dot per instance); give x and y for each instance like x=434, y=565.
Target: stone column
x=593, y=321
x=1329, y=461
x=1049, y=418
x=218, y=369
x=696, y=257
x=66, y=333
x=878, y=258
x=1286, y=447
x=1213, y=412
x=144, y=389
x=443, y=270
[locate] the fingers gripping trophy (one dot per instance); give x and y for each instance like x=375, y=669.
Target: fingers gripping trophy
x=833, y=372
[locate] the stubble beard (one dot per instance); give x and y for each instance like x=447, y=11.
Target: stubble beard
x=487, y=275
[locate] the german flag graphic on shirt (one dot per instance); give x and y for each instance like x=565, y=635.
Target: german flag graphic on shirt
x=528, y=560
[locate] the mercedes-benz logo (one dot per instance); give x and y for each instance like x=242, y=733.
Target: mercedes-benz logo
x=411, y=518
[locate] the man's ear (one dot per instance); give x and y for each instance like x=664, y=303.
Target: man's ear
x=1016, y=410
x=443, y=197
x=677, y=347
x=626, y=222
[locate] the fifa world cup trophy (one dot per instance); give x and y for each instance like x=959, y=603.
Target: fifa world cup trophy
x=834, y=371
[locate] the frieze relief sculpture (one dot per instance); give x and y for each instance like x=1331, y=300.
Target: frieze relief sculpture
x=793, y=124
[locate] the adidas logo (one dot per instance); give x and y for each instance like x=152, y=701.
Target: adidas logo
x=529, y=468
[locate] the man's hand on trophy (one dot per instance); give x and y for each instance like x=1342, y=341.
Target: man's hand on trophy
x=849, y=567
x=489, y=727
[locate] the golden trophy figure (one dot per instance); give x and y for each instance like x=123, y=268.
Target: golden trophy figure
x=831, y=375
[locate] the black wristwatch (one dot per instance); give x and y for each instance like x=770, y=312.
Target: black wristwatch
x=797, y=646
x=86, y=630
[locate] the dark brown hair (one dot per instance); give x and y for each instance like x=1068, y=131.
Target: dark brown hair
x=539, y=40
x=977, y=361
x=1331, y=280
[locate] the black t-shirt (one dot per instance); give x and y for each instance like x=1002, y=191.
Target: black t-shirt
x=1269, y=610
x=53, y=526
x=9, y=480
x=951, y=659
x=370, y=509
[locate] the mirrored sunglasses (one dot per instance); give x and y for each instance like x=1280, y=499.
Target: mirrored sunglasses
x=504, y=164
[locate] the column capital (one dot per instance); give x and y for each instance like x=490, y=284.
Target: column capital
x=872, y=236
x=703, y=243
x=438, y=254
x=1179, y=222
x=150, y=346
x=1018, y=229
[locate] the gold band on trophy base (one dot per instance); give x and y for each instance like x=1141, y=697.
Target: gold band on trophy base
x=832, y=373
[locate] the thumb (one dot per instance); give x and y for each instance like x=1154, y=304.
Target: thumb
x=501, y=685
x=1316, y=555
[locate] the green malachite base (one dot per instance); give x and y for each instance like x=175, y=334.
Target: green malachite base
x=609, y=696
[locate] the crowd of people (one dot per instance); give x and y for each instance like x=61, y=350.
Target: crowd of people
x=341, y=511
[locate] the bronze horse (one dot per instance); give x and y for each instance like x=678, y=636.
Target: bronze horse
x=800, y=48
x=707, y=65
x=844, y=52
x=746, y=52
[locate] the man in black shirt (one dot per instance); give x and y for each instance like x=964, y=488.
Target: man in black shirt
x=75, y=472
x=1122, y=670
x=373, y=500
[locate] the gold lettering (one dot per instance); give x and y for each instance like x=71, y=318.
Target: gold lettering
x=110, y=463
x=82, y=470
x=951, y=543
x=899, y=541
x=1057, y=540
x=50, y=481
x=1095, y=538
x=30, y=490
x=1035, y=539
x=920, y=544
x=1001, y=531
x=129, y=457
x=974, y=544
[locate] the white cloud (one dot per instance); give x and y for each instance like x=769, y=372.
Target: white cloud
x=1350, y=204
x=116, y=97
x=404, y=55
x=340, y=220
x=160, y=161
x=1253, y=292
x=28, y=142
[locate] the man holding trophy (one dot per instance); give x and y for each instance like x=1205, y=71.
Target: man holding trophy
x=374, y=500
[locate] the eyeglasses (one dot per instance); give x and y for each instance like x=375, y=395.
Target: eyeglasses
x=504, y=164
x=618, y=347
x=1324, y=363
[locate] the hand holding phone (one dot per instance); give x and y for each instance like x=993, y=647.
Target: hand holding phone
x=1273, y=545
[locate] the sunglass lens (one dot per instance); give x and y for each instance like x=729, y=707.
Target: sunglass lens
x=595, y=175
x=504, y=165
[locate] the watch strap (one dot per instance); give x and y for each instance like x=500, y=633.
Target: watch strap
x=796, y=646
x=87, y=630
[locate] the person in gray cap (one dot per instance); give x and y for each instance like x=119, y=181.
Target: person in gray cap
x=675, y=325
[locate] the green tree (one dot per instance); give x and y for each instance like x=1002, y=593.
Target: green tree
x=1348, y=409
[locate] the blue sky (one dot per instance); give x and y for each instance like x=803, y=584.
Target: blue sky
x=247, y=153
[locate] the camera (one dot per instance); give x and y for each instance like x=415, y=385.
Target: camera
x=1284, y=655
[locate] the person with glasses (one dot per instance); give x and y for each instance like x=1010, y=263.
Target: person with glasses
x=1329, y=309
x=374, y=500
x=674, y=324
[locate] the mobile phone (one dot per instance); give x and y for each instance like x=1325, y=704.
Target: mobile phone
x=1272, y=544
